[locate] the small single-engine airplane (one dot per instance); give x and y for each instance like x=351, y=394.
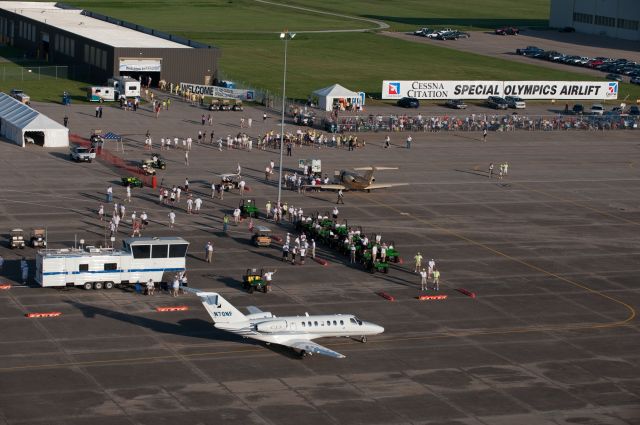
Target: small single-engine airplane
x=296, y=332
x=351, y=180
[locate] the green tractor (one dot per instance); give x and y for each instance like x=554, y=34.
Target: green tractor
x=374, y=265
x=131, y=181
x=253, y=281
x=248, y=208
x=392, y=253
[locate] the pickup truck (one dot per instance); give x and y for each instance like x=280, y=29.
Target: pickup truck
x=79, y=153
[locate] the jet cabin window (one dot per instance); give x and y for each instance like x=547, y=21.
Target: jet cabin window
x=304, y=324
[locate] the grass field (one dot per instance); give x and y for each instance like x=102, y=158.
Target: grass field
x=246, y=30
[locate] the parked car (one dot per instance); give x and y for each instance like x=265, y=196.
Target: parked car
x=597, y=109
x=456, y=104
x=578, y=109
x=409, y=102
x=422, y=32
x=21, y=96
x=497, y=102
x=614, y=77
x=568, y=29
x=435, y=33
x=515, y=102
x=507, y=31
x=529, y=51
x=635, y=80
x=634, y=110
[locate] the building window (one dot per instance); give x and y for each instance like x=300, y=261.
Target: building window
x=103, y=65
x=628, y=24
x=33, y=33
x=20, y=28
x=72, y=47
x=86, y=53
x=584, y=18
x=604, y=21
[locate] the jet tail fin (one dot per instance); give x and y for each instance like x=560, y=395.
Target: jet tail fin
x=221, y=311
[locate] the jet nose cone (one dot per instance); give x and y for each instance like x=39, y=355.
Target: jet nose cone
x=375, y=329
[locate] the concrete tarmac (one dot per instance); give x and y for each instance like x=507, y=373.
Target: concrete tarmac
x=551, y=251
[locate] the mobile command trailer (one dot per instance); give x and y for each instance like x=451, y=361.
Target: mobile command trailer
x=139, y=260
x=126, y=86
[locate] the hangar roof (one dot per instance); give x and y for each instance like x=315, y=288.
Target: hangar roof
x=73, y=21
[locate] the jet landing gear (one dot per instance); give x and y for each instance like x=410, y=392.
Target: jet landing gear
x=363, y=339
x=304, y=353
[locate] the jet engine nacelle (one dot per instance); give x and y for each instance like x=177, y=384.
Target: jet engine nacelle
x=272, y=326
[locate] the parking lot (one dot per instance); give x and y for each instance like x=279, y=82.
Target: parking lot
x=550, y=251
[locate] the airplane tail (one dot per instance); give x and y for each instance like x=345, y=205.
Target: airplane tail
x=222, y=312
x=368, y=176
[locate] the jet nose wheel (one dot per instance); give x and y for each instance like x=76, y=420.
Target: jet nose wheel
x=363, y=339
x=303, y=354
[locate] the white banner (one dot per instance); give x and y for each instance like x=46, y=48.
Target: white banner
x=450, y=89
x=216, y=91
x=141, y=65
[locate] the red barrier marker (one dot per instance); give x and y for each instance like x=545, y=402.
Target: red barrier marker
x=386, y=296
x=467, y=293
x=5, y=286
x=176, y=308
x=432, y=297
x=321, y=261
x=48, y=314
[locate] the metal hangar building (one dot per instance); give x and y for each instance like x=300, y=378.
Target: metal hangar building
x=104, y=46
x=611, y=18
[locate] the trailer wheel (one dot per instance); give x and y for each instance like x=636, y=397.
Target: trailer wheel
x=98, y=285
x=87, y=285
x=108, y=285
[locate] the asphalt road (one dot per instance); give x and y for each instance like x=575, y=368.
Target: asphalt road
x=551, y=252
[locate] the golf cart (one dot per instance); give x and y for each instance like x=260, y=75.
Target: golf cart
x=38, y=238
x=248, y=208
x=253, y=281
x=225, y=106
x=306, y=118
x=131, y=181
x=392, y=253
x=16, y=239
x=147, y=168
x=157, y=161
x=238, y=106
x=214, y=105
x=230, y=181
x=261, y=236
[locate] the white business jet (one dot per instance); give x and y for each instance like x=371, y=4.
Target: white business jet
x=296, y=332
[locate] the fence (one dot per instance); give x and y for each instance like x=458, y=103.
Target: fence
x=475, y=122
x=33, y=73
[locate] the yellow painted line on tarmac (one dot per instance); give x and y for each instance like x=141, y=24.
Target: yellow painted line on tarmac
x=629, y=308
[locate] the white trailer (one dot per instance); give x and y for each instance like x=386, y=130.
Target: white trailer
x=102, y=94
x=139, y=260
x=125, y=86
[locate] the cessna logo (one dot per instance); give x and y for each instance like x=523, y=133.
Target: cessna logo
x=222, y=314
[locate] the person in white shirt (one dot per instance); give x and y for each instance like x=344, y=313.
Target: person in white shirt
x=198, y=204
x=172, y=219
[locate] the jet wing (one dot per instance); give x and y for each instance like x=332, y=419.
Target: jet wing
x=383, y=185
x=325, y=186
x=252, y=309
x=312, y=347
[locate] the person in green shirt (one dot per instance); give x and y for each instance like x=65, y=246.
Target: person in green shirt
x=436, y=279
x=225, y=223
x=418, y=260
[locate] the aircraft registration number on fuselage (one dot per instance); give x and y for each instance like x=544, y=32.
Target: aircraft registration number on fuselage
x=222, y=314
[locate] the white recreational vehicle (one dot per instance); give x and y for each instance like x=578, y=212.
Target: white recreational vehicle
x=125, y=86
x=139, y=260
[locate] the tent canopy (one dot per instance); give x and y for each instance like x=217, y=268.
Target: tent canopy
x=17, y=119
x=327, y=95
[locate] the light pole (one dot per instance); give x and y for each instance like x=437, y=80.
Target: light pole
x=286, y=36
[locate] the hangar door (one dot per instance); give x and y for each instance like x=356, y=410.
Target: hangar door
x=141, y=67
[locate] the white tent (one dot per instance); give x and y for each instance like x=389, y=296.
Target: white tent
x=328, y=95
x=18, y=120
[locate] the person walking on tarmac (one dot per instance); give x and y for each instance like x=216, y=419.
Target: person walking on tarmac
x=491, y=170
x=418, y=260
x=340, y=199
x=209, y=252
